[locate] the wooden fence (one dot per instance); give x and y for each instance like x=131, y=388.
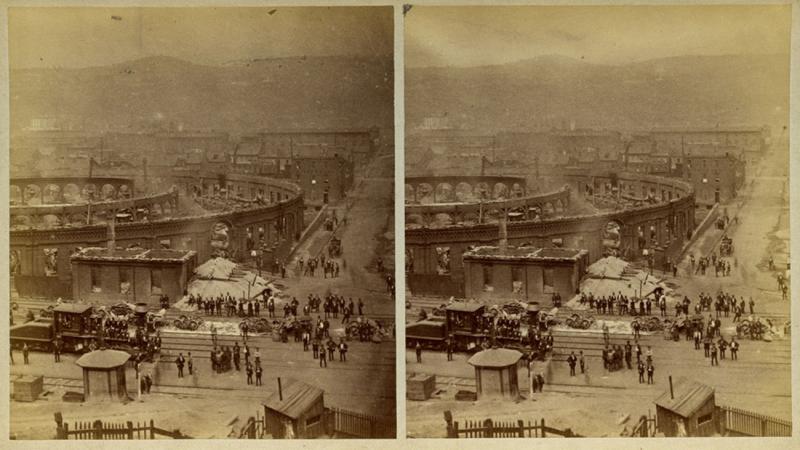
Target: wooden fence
x=98, y=430
x=489, y=428
x=360, y=425
x=337, y=421
x=735, y=421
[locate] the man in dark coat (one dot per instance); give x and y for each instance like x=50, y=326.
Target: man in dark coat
x=180, y=361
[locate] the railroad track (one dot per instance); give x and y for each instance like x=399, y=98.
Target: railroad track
x=188, y=391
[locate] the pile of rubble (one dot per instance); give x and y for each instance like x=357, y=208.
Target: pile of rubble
x=608, y=267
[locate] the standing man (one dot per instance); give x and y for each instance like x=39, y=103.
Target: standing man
x=190, y=363
x=714, y=360
x=650, y=370
x=449, y=346
x=540, y=381
x=180, y=361
x=752, y=305
x=723, y=344
x=342, y=350
x=323, y=360
x=249, y=371
x=331, y=349
x=641, y=372
x=734, y=349
x=417, y=349
x=583, y=363
x=259, y=371
x=25, y=352
x=57, y=350
x=571, y=360
x=628, y=354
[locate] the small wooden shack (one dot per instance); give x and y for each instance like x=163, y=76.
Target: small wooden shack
x=496, y=373
x=104, y=375
x=687, y=408
x=296, y=411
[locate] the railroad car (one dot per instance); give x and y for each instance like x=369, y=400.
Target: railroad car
x=469, y=326
x=77, y=325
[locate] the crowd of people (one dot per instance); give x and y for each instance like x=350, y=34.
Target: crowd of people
x=622, y=305
x=230, y=306
x=330, y=267
x=721, y=265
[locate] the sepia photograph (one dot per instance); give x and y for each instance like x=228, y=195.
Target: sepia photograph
x=597, y=221
x=201, y=223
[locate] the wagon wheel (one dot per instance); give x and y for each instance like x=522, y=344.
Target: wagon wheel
x=570, y=322
x=177, y=323
x=193, y=325
x=585, y=324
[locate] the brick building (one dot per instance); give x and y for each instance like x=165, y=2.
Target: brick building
x=324, y=178
x=135, y=275
x=523, y=273
x=715, y=175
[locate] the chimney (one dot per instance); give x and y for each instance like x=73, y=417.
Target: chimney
x=671, y=392
x=112, y=233
x=503, y=244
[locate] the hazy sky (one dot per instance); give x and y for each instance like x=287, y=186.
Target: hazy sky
x=81, y=37
x=473, y=36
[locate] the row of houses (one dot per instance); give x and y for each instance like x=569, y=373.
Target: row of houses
x=322, y=162
x=713, y=159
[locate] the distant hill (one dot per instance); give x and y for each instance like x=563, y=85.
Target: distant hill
x=302, y=92
x=554, y=90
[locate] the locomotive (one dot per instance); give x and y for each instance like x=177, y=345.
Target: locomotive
x=79, y=327
x=470, y=327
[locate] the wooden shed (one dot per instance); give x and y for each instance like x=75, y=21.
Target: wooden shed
x=104, y=375
x=688, y=408
x=496, y=373
x=296, y=411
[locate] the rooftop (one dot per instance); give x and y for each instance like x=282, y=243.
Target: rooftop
x=524, y=254
x=495, y=357
x=132, y=255
x=103, y=359
x=689, y=396
x=74, y=308
x=464, y=306
x=298, y=397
